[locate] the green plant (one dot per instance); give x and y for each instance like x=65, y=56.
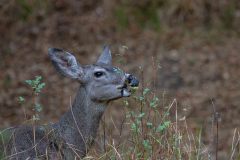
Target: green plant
x=4, y=138
x=155, y=132
x=36, y=86
x=144, y=125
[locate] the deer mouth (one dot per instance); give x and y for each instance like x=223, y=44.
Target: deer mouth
x=130, y=82
x=125, y=91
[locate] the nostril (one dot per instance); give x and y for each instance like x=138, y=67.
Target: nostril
x=134, y=83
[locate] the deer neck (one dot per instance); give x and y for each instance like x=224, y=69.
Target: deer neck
x=78, y=126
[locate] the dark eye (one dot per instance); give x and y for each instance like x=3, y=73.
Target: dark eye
x=98, y=74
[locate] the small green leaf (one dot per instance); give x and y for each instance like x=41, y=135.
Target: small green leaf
x=29, y=82
x=126, y=103
x=162, y=127
x=38, y=79
x=38, y=107
x=36, y=117
x=145, y=91
x=153, y=104
x=166, y=114
x=41, y=85
x=167, y=123
x=21, y=99
x=141, y=115
x=141, y=98
x=133, y=89
x=146, y=144
x=134, y=127
x=149, y=124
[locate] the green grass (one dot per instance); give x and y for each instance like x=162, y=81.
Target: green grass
x=155, y=132
x=4, y=138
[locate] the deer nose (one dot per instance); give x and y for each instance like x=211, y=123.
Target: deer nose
x=132, y=80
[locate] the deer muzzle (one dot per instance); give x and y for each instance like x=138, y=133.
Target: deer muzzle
x=132, y=80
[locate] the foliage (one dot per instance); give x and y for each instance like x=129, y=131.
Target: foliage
x=36, y=86
x=4, y=138
x=154, y=134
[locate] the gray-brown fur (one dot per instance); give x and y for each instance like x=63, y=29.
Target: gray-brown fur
x=72, y=136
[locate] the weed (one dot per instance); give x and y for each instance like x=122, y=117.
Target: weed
x=4, y=138
x=36, y=86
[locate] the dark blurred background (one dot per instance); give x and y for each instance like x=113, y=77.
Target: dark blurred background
x=187, y=49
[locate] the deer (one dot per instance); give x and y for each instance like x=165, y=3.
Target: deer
x=72, y=136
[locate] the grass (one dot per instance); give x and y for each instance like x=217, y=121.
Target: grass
x=4, y=138
x=155, y=132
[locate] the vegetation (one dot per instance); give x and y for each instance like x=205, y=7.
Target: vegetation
x=154, y=134
x=159, y=14
x=36, y=85
x=156, y=130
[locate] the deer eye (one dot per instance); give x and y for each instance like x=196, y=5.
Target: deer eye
x=98, y=74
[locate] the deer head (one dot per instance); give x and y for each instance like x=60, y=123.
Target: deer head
x=102, y=81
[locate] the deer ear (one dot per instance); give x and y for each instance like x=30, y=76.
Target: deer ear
x=106, y=57
x=65, y=63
